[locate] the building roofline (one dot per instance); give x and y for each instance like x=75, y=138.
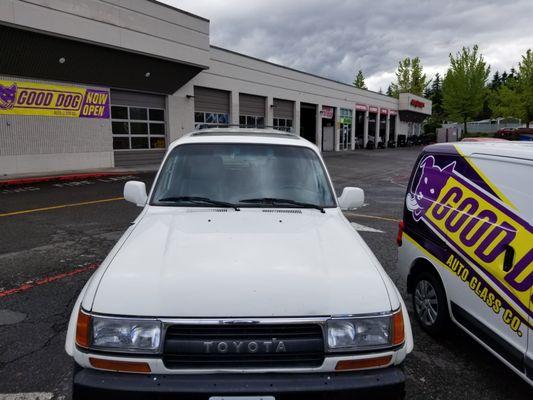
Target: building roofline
x=178, y=9
x=299, y=71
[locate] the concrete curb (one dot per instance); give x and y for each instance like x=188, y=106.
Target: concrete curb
x=59, y=178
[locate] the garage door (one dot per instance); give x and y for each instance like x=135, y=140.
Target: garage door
x=283, y=115
x=139, y=128
x=251, y=111
x=211, y=107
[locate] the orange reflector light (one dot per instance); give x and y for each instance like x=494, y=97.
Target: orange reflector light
x=120, y=366
x=347, y=365
x=398, y=334
x=83, y=329
x=400, y=234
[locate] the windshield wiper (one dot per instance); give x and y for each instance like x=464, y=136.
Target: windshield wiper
x=275, y=201
x=196, y=199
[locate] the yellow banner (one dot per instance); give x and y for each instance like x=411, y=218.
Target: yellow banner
x=29, y=98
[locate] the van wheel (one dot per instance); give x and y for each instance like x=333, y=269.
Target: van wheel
x=429, y=303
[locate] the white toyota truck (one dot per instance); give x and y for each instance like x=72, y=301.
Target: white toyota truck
x=240, y=279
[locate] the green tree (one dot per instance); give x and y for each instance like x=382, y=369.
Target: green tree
x=359, y=81
x=463, y=88
x=515, y=97
x=436, y=97
x=410, y=78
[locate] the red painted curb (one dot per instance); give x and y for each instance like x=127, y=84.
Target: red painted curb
x=59, y=178
x=48, y=279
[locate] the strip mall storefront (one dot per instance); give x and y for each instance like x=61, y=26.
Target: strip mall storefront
x=118, y=83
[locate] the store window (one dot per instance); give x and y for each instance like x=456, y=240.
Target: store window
x=282, y=124
x=251, y=121
x=138, y=128
x=203, y=120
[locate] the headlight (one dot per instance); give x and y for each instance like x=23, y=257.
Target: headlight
x=344, y=334
x=125, y=334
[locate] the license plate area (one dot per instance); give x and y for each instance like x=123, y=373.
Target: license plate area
x=242, y=398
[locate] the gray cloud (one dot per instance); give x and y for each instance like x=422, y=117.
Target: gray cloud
x=336, y=38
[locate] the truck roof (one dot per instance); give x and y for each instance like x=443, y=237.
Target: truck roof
x=514, y=149
x=243, y=135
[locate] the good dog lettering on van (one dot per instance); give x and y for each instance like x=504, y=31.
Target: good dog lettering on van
x=479, y=226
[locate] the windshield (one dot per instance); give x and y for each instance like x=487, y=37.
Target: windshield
x=243, y=175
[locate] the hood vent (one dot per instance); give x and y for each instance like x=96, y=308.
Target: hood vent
x=283, y=211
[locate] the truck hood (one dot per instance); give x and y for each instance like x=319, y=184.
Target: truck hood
x=196, y=262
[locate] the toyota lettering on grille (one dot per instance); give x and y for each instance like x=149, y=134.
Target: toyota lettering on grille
x=244, y=346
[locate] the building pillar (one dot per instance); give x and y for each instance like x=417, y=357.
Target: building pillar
x=387, y=128
x=318, y=135
x=234, y=108
x=352, y=131
x=378, y=126
x=396, y=128
x=365, y=131
x=296, y=118
x=337, y=129
x=269, y=112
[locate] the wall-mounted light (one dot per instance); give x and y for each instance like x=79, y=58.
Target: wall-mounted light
x=272, y=106
x=189, y=96
x=62, y=60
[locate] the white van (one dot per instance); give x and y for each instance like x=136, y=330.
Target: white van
x=466, y=245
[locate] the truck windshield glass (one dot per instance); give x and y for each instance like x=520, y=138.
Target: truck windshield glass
x=243, y=175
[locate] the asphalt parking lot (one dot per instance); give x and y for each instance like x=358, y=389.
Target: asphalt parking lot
x=53, y=235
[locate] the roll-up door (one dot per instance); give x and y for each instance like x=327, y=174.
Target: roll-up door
x=251, y=111
x=139, y=128
x=211, y=107
x=283, y=115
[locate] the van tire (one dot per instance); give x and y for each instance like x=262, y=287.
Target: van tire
x=429, y=303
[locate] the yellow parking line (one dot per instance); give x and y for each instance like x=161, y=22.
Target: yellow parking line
x=372, y=217
x=84, y=203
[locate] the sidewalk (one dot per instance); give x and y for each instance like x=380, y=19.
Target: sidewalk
x=72, y=175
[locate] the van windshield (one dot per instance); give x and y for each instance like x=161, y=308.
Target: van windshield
x=243, y=175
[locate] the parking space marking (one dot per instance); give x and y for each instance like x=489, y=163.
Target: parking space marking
x=364, y=228
x=48, y=279
x=84, y=203
x=348, y=213
x=27, y=396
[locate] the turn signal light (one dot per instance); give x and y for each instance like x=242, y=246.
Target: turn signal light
x=350, y=365
x=398, y=334
x=400, y=234
x=83, y=329
x=120, y=366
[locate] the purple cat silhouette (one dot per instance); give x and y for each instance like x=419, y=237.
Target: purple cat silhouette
x=7, y=96
x=429, y=186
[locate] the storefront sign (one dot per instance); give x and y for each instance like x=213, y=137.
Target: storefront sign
x=361, y=107
x=417, y=103
x=384, y=111
x=327, y=112
x=29, y=98
x=393, y=112
x=373, y=109
x=346, y=120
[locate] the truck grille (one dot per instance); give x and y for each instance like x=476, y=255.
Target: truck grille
x=243, y=346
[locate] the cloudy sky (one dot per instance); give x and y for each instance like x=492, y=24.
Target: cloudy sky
x=336, y=38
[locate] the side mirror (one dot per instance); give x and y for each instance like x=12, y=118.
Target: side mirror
x=351, y=197
x=135, y=192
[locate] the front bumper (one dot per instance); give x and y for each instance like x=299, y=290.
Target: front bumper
x=383, y=383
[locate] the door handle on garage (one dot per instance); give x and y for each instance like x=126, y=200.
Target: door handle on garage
x=508, y=259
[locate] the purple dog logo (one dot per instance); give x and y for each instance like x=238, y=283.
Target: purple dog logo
x=429, y=186
x=7, y=96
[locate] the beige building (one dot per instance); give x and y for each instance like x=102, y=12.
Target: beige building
x=94, y=84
